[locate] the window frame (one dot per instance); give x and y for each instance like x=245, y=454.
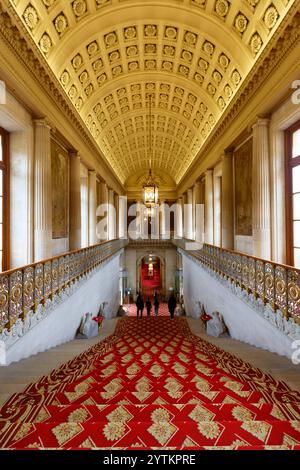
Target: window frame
x=4, y=166
x=291, y=162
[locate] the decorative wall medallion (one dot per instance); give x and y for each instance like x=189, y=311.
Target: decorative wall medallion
x=79, y=7
x=150, y=30
x=60, y=23
x=208, y=47
x=30, y=16
x=170, y=33
x=222, y=8
x=240, y=23
x=111, y=39
x=45, y=43
x=255, y=43
x=92, y=48
x=271, y=16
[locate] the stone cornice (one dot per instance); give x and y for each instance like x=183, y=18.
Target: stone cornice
x=22, y=46
x=283, y=42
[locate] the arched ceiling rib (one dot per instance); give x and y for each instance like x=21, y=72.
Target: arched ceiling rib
x=191, y=55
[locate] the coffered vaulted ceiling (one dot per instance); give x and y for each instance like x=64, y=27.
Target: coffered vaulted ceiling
x=190, y=55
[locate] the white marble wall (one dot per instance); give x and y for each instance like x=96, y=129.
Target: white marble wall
x=243, y=322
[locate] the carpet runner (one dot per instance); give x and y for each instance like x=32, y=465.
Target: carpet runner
x=153, y=385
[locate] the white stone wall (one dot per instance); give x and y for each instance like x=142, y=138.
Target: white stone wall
x=61, y=324
x=243, y=322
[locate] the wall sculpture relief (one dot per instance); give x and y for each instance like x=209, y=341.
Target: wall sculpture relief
x=243, y=189
x=60, y=191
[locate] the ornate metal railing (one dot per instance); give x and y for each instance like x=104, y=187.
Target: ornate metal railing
x=23, y=289
x=147, y=242
x=273, y=283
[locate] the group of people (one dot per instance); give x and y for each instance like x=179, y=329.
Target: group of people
x=140, y=305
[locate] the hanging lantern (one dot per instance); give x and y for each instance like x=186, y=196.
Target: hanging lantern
x=150, y=188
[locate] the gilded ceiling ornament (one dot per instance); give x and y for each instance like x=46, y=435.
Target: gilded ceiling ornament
x=224, y=61
x=48, y=3
x=113, y=56
x=179, y=91
x=109, y=98
x=255, y=43
x=150, y=48
x=131, y=51
x=135, y=87
x=130, y=32
x=79, y=7
x=116, y=71
x=45, y=43
x=198, y=78
x=196, y=123
x=83, y=76
x=199, y=3
x=77, y=61
x=89, y=89
x=271, y=17
x=30, y=17
x=222, y=7
x=97, y=65
x=189, y=107
x=72, y=92
x=253, y=3
x=165, y=87
x=65, y=78
x=208, y=47
x=241, y=23
x=111, y=39
x=132, y=66
x=150, y=64
x=236, y=77
x=228, y=91
x=203, y=65
x=102, y=78
x=170, y=32
x=217, y=76
x=183, y=70
x=92, y=48
x=211, y=119
x=190, y=38
x=211, y=89
x=61, y=23
x=97, y=109
x=199, y=116
x=169, y=50
x=167, y=65
x=150, y=30
x=187, y=56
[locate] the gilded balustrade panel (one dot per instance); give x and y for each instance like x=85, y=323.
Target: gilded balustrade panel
x=260, y=279
x=270, y=283
x=54, y=269
x=38, y=284
x=15, y=296
x=4, y=302
x=47, y=279
x=293, y=294
x=28, y=289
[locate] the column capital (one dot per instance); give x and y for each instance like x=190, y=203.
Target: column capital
x=42, y=122
x=209, y=172
x=228, y=152
x=260, y=122
x=92, y=172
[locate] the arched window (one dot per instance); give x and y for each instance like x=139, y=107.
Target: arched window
x=293, y=194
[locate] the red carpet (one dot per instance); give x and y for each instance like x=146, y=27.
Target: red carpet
x=153, y=385
x=162, y=310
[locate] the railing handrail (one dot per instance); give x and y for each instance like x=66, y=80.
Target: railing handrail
x=23, y=289
x=274, y=283
x=53, y=258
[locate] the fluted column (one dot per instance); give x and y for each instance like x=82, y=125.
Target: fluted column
x=162, y=228
x=42, y=191
x=92, y=207
x=198, y=212
x=261, y=190
x=179, y=218
x=111, y=215
x=122, y=217
x=209, y=207
x=116, y=204
x=227, y=216
x=184, y=215
x=75, y=202
x=189, y=214
x=102, y=213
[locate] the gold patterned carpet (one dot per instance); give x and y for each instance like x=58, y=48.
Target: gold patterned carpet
x=153, y=385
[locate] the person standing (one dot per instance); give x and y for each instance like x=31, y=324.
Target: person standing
x=156, y=304
x=139, y=305
x=172, y=305
x=148, y=307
